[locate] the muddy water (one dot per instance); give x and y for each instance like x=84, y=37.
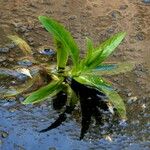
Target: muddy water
x=98, y=19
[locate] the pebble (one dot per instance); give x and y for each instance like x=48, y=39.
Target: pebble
x=110, y=30
x=23, y=29
x=116, y=14
x=17, y=24
x=21, y=98
x=11, y=59
x=18, y=147
x=72, y=17
x=2, y=58
x=30, y=39
x=132, y=99
x=139, y=36
x=47, y=51
x=129, y=94
x=8, y=104
x=123, y=7
x=4, y=134
x=4, y=49
x=146, y=1
x=24, y=63
x=12, y=110
x=10, y=46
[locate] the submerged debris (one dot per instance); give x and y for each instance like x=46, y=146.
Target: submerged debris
x=92, y=101
x=60, y=100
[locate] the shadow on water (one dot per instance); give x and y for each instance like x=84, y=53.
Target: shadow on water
x=20, y=126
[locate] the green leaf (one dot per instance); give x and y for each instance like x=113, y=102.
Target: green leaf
x=62, y=55
x=117, y=101
x=104, y=50
x=103, y=86
x=94, y=81
x=90, y=49
x=44, y=92
x=63, y=36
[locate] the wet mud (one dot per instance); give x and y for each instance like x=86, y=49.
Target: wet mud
x=98, y=19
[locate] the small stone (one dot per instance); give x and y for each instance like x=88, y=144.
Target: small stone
x=108, y=138
x=89, y=8
x=132, y=99
x=10, y=59
x=12, y=110
x=4, y=50
x=135, y=122
x=21, y=98
x=116, y=14
x=25, y=63
x=23, y=29
x=123, y=7
x=11, y=46
x=146, y=1
x=129, y=94
x=18, y=147
x=47, y=51
x=26, y=34
x=2, y=58
x=72, y=17
x=110, y=30
x=95, y=5
x=139, y=36
x=17, y=25
x=4, y=134
x=30, y=39
x=143, y=106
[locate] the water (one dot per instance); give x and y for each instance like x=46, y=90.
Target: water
x=22, y=124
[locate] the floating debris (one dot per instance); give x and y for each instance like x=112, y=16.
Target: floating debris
x=108, y=138
x=25, y=71
x=22, y=44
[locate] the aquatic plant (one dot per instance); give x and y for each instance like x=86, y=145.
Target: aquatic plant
x=82, y=80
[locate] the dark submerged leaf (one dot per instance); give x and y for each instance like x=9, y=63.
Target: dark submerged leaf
x=113, y=96
x=90, y=100
x=60, y=100
x=62, y=117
